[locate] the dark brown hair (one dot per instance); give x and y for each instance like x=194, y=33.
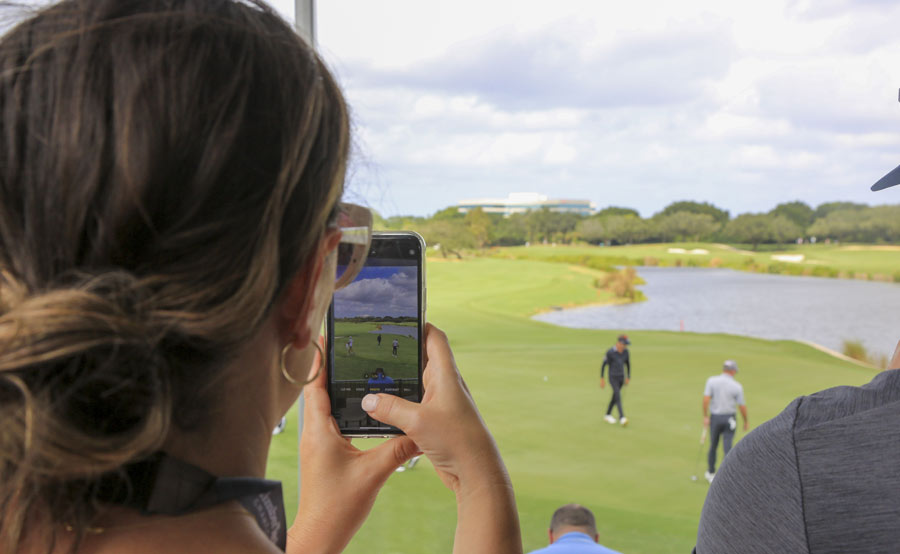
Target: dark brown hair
x=166, y=166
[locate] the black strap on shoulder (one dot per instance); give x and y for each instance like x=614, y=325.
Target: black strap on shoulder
x=164, y=485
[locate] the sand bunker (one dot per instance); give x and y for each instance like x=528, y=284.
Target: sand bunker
x=790, y=258
x=699, y=251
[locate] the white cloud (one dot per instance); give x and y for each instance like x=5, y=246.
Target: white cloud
x=560, y=152
x=755, y=157
x=394, y=296
x=728, y=125
x=744, y=104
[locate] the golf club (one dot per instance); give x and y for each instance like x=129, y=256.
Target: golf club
x=699, y=453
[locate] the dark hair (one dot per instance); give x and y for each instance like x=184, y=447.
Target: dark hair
x=574, y=515
x=166, y=167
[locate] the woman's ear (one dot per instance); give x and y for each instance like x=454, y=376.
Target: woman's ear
x=308, y=294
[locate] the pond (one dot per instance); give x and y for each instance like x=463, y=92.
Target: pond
x=702, y=300
x=388, y=329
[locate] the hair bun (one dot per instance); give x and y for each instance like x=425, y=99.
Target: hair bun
x=84, y=363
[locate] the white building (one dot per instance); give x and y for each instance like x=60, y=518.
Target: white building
x=521, y=202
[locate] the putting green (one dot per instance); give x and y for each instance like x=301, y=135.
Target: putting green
x=537, y=387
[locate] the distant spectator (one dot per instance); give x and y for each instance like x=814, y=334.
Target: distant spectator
x=573, y=531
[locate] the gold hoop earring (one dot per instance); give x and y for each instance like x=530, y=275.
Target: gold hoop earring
x=287, y=374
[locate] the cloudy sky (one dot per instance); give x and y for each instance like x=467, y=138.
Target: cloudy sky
x=379, y=291
x=637, y=104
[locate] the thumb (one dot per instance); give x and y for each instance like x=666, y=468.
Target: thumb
x=390, y=409
x=392, y=453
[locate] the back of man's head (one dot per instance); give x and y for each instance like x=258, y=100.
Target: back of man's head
x=572, y=517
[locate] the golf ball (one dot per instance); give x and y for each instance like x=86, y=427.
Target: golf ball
x=693, y=477
x=545, y=377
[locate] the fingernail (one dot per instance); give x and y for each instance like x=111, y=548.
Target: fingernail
x=369, y=402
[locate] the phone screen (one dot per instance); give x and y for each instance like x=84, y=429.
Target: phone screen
x=375, y=327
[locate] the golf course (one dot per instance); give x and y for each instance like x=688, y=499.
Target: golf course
x=369, y=353
x=537, y=386
x=873, y=262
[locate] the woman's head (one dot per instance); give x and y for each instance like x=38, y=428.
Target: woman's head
x=166, y=168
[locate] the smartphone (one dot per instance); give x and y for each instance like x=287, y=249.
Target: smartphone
x=374, y=332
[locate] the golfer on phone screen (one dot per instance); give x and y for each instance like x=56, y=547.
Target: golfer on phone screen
x=617, y=360
x=720, y=398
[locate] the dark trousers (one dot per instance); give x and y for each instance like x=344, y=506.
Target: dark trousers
x=720, y=425
x=616, y=381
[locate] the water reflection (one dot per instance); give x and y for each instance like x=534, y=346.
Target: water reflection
x=824, y=311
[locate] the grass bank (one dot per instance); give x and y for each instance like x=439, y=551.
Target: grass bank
x=537, y=388
x=868, y=262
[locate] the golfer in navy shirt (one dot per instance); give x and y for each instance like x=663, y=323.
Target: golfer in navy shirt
x=573, y=531
x=618, y=361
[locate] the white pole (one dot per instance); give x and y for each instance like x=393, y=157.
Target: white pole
x=305, y=19
x=305, y=22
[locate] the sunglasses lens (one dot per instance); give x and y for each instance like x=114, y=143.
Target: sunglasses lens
x=355, y=224
x=347, y=255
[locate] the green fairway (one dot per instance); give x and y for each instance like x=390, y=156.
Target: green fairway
x=537, y=387
x=368, y=354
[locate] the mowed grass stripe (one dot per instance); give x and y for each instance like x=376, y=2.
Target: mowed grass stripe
x=873, y=260
x=555, y=443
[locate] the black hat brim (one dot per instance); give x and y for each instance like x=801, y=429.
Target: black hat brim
x=889, y=180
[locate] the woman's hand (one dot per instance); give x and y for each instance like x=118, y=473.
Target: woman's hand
x=448, y=429
x=338, y=482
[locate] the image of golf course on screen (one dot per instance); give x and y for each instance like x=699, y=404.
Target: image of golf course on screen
x=376, y=341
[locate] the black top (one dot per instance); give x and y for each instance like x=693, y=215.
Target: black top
x=617, y=362
x=162, y=484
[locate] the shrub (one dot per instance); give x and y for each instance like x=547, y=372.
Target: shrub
x=823, y=271
x=621, y=284
x=856, y=350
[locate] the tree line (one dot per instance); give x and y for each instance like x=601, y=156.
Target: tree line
x=684, y=221
x=380, y=319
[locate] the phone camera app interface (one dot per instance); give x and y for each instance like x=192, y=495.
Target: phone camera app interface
x=376, y=334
